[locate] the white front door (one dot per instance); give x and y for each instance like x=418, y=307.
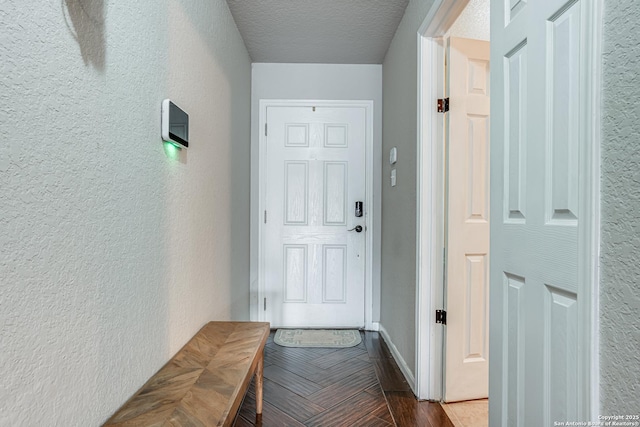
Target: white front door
x=314, y=266
x=467, y=285
x=541, y=212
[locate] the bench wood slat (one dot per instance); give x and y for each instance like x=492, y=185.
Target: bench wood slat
x=204, y=383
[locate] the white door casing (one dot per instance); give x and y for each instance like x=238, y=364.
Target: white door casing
x=430, y=195
x=313, y=269
x=544, y=191
x=467, y=261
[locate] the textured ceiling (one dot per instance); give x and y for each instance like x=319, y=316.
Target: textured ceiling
x=317, y=31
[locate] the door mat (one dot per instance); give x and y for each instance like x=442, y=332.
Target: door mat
x=332, y=338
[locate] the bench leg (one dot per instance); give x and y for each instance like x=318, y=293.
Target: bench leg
x=259, y=381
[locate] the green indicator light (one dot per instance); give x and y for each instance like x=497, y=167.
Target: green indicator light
x=171, y=151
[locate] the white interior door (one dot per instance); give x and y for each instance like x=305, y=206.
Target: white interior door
x=314, y=267
x=541, y=215
x=467, y=286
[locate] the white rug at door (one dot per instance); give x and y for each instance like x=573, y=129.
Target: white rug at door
x=332, y=338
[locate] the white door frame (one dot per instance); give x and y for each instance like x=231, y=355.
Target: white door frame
x=369, y=210
x=430, y=186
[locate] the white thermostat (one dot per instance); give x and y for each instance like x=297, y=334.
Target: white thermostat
x=175, y=124
x=393, y=156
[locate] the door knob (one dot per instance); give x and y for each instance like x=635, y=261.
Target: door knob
x=357, y=228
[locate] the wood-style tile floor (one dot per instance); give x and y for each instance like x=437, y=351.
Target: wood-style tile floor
x=358, y=386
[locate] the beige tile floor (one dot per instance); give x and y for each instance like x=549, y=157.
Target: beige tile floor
x=473, y=413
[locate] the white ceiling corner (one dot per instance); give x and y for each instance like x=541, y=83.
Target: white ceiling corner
x=317, y=31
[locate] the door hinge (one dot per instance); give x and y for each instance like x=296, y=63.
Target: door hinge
x=441, y=317
x=265, y=217
x=265, y=304
x=443, y=105
x=265, y=129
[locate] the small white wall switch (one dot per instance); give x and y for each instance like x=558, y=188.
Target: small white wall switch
x=393, y=177
x=393, y=156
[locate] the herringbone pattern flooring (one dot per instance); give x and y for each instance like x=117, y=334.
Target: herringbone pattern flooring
x=358, y=386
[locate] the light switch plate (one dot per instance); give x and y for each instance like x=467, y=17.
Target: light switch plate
x=393, y=177
x=393, y=156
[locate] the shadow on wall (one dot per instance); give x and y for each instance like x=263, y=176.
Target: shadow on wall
x=85, y=20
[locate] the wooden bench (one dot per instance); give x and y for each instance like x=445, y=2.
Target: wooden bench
x=205, y=382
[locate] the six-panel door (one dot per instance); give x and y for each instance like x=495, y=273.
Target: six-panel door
x=467, y=287
x=541, y=214
x=314, y=266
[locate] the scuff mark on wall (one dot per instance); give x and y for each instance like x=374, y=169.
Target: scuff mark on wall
x=85, y=20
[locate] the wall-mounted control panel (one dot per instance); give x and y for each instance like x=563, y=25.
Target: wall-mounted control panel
x=175, y=124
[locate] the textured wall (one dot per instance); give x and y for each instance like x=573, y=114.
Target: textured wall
x=473, y=22
x=398, y=273
x=317, y=81
x=114, y=250
x=620, y=209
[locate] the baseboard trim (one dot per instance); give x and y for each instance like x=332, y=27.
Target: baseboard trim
x=373, y=326
x=404, y=368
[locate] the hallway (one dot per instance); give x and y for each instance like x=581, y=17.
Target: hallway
x=358, y=386
x=116, y=247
